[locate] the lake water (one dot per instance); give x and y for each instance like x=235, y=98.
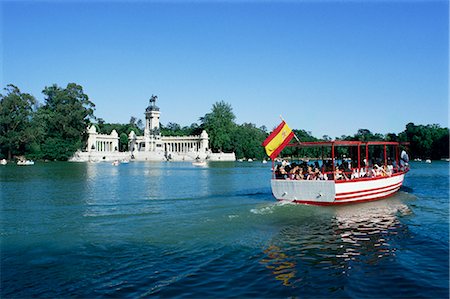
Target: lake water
x=173, y=230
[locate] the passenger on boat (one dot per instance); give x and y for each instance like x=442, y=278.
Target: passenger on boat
x=293, y=171
x=404, y=159
x=279, y=172
x=376, y=171
x=355, y=174
x=362, y=172
x=390, y=169
x=311, y=175
x=386, y=170
x=299, y=175
x=284, y=171
x=319, y=175
x=339, y=174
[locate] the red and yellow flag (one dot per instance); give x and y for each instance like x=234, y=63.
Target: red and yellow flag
x=278, y=140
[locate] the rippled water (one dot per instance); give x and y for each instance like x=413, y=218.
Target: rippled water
x=170, y=229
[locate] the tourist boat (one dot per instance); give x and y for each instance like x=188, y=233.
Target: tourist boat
x=116, y=163
x=332, y=190
x=25, y=162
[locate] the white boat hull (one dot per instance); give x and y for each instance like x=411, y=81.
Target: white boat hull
x=25, y=163
x=330, y=192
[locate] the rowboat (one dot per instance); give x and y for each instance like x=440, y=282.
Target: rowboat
x=340, y=179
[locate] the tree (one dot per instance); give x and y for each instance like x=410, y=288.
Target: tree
x=16, y=109
x=219, y=124
x=430, y=141
x=123, y=142
x=66, y=114
x=247, y=140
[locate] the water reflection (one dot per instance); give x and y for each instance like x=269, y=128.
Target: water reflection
x=282, y=266
x=364, y=229
x=334, y=241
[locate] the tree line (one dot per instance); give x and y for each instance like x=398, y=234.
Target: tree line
x=56, y=129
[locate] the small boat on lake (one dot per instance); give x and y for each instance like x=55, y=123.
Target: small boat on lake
x=116, y=163
x=337, y=180
x=3, y=162
x=25, y=162
x=200, y=163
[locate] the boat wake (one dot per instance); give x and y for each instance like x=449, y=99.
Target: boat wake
x=269, y=209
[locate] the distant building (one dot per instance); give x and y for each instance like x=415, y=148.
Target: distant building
x=150, y=147
x=153, y=146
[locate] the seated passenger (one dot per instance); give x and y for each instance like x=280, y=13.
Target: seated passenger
x=277, y=171
x=299, y=175
x=293, y=171
x=339, y=174
x=283, y=172
x=310, y=174
x=317, y=173
x=385, y=171
x=390, y=169
x=320, y=175
x=378, y=171
x=362, y=172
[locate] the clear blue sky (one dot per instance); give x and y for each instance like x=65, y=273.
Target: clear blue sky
x=329, y=67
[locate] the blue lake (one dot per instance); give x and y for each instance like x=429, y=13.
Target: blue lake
x=173, y=230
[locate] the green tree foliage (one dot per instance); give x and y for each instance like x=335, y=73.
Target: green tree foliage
x=303, y=136
x=366, y=135
x=174, y=129
x=106, y=128
x=16, y=132
x=123, y=130
x=427, y=141
x=246, y=141
x=65, y=116
x=219, y=124
x=123, y=142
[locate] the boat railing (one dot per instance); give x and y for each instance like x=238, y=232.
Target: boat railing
x=353, y=174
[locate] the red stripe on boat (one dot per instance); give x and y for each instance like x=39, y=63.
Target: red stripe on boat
x=333, y=203
x=367, y=190
x=370, y=193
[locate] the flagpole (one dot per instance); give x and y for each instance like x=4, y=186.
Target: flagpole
x=295, y=135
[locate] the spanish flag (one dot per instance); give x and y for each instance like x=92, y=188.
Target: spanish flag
x=278, y=140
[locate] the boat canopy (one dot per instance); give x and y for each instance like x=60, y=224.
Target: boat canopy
x=344, y=143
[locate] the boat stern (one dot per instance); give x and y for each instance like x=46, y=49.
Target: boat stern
x=304, y=191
